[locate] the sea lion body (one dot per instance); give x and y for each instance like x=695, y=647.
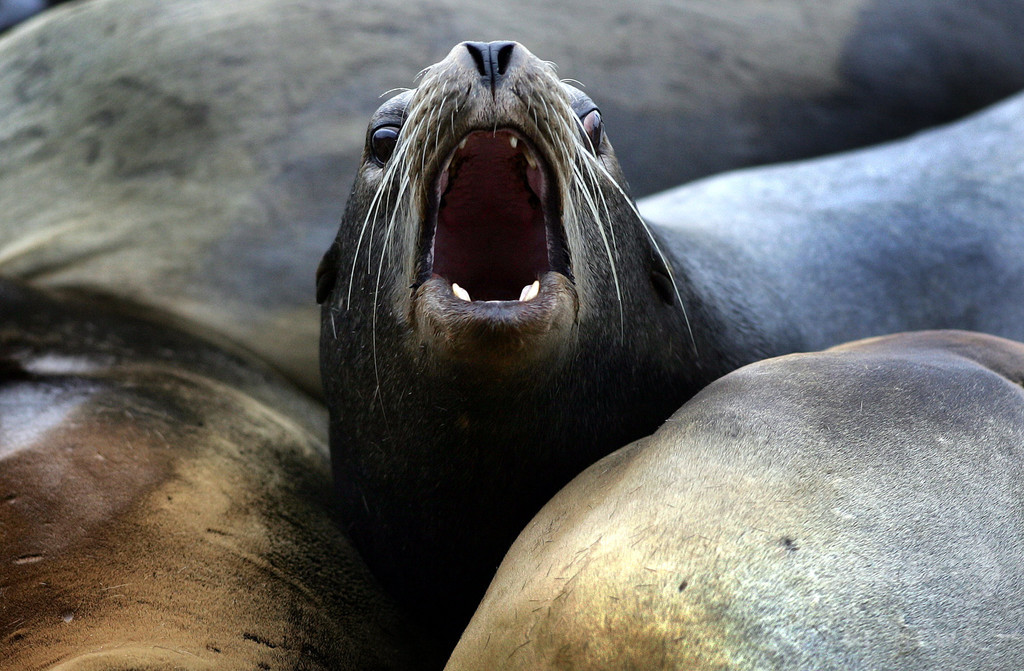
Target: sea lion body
x=166, y=503
x=858, y=509
x=922, y=233
x=194, y=155
x=481, y=408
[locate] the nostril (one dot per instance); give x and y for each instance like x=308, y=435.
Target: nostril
x=504, y=56
x=477, y=51
x=492, y=59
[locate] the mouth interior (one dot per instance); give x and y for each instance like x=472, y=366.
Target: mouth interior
x=491, y=234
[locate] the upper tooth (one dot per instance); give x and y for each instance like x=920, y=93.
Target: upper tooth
x=530, y=159
x=460, y=292
x=530, y=291
x=513, y=140
x=462, y=145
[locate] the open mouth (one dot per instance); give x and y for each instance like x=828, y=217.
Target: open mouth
x=496, y=224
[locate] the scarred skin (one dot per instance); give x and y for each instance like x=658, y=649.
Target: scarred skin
x=856, y=509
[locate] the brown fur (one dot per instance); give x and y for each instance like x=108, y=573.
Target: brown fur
x=857, y=509
x=165, y=504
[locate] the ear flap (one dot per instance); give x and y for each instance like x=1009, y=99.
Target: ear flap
x=327, y=273
x=661, y=278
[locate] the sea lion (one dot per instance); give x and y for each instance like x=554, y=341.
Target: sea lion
x=496, y=316
x=923, y=233
x=166, y=503
x=492, y=178
x=194, y=155
x=859, y=509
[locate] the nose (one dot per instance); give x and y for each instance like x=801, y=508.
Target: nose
x=492, y=59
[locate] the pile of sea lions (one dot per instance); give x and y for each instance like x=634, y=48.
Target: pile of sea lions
x=768, y=419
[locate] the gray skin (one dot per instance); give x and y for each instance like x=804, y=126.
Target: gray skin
x=923, y=233
x=453, y=422
x=166, y=504
x=857, y=509
x=194, y=155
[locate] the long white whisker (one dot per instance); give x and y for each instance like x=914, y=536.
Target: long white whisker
x=371, y=211
x=397, y=89
x=604, y=239
x=657, y=248
x=423, y=156
x=437, y=131
x=580, y=186
x=587, y=161
x=547, y=110
x=385, y=253
x=591, y=162
x=384, y=187
x=373, y=339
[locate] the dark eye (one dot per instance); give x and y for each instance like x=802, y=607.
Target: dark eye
x=382, y=143
x=594, y=128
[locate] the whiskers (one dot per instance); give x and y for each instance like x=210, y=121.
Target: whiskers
x=584, y=196
x=592, y=200
x=394, y=193
x=394, y=198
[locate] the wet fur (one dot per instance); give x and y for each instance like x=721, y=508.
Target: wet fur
x=485, y=450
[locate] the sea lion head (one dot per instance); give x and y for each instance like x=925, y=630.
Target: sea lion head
x=486, y=214
x=496, y=316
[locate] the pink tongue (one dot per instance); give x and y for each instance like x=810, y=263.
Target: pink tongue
x=490, y=235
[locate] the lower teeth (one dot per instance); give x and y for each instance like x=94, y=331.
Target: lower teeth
x=529, y=292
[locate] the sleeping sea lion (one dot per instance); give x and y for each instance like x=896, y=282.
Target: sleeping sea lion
x=166, y=503
x=857, y=509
